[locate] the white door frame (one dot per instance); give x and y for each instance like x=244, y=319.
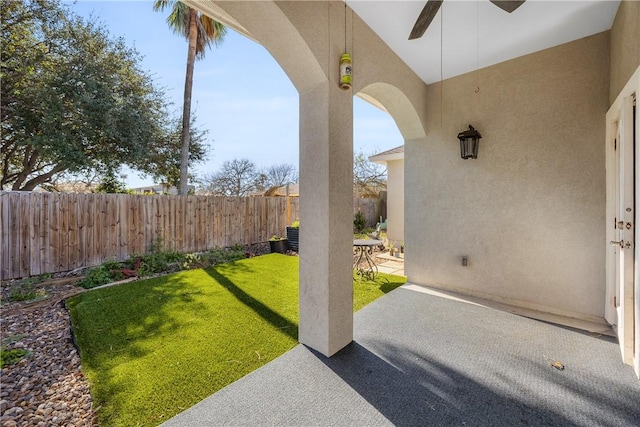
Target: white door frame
x=627, y=315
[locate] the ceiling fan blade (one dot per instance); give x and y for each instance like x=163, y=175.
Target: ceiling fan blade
x=508, y=5
x=425, y=18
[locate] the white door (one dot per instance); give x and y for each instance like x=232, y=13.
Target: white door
x=623, y=233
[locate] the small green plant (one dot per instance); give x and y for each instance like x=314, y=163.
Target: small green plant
x=115, y=269
x=234, y=255
x=219, y=256
x=96, y=276
x=24, y=291
x=112, y=264
x=9, y=357
x=194, y=261
x=359, y=222
x=157, y=246
x=30, y=281
x=215, y=256
x=158, y=261
x=22, y=295
x=144, y=270
x=275, y=238
x=296, y=223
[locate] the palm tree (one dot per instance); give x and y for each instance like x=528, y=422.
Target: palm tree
x=201, y=31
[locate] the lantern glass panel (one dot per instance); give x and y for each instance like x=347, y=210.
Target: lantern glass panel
x=469, y=148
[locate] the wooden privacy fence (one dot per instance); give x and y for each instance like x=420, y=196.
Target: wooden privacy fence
x=370, y=208
x=54, y=232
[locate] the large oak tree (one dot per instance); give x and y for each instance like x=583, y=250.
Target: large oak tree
x=74, y=100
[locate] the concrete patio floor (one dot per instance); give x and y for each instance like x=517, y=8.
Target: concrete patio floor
x=420, y=359
x=389, y=264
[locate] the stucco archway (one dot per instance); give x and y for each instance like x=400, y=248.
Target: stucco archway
x=391, y=99
x=266, y=23
x=398, y=105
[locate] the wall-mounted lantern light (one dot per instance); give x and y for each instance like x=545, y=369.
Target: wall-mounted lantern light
x=469, y=141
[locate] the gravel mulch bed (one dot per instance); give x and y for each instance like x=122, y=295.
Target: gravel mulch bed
x=47, y=386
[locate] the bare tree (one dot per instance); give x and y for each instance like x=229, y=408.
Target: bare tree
x=237, y=177
x=279, y=175
x=368, y=178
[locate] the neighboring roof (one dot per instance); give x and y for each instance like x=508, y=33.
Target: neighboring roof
x=393, y=154
x=160, y=189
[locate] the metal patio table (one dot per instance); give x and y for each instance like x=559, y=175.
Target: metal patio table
x=364, y=265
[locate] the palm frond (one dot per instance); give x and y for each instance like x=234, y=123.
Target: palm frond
x=210, y=31
x=213, y=29
x=178, y=19
x=160, y=5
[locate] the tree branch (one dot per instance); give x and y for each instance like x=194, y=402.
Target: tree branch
x=41, y=179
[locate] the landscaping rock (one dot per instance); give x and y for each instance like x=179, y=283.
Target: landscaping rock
x=47, y=386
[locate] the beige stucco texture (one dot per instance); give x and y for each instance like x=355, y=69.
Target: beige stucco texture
x=395, y=201
x=529, y=212
x=625, y=45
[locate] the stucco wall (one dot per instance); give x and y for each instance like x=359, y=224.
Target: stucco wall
x=529, y=212
x=625, y=46
x=395, y=200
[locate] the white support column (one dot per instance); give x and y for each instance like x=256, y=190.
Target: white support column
x=326, y=218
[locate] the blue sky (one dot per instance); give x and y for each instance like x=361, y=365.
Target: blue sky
x=240, y=94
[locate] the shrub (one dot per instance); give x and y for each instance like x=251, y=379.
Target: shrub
x=96, y=276
x=144, y=270
x=115, y=269
x=159, y=261
x=359, y=222
x=195, y=261
x=23, y=290
x=23, y=294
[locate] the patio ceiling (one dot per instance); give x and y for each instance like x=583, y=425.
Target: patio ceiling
x=479, y=34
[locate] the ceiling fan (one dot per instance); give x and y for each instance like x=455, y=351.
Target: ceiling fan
x=432, y=7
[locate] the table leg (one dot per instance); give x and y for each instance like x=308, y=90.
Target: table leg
x=370, y=270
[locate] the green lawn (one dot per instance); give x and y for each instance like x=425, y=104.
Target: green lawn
x=153, y=348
